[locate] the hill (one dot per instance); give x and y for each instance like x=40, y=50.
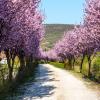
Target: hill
x=53, y=32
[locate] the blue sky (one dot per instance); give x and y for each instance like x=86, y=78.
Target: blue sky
x=62, y=11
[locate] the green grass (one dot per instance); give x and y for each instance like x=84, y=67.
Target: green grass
x=90, y=84
x=57, y=64
x=53, y=33
x=4, y=72
x=95, y=68
x=85, y=66
x=74, y=72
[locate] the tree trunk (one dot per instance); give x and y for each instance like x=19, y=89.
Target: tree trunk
x=2, y=74
x=83, y=57
x=89, y=63
x=10, y=56
x=65, y=63
x=70, y=63
x=9, y=65
x=73, y=62
x=22, y=63
x=21, y=70
x=10, y=76
x=28, y=62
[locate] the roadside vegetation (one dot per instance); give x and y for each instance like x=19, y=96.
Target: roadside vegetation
x=95, y=68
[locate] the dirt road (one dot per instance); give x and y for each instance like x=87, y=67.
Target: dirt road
x=56, y=84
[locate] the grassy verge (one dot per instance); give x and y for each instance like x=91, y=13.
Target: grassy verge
x=61, y=65
x=57, y=64
x=75, y=72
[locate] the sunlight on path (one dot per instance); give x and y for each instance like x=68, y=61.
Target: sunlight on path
x=55, y=84
x=45, y=87
x=69, y=87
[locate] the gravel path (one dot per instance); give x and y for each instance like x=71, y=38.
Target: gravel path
x=56, y=84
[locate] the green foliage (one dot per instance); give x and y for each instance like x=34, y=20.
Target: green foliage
x=57, y=64
x=96, y=68
x=78, y=61
x=4, y=85
x=85, y=67
x=97, y=61
x=3, y=73
x=53, y=33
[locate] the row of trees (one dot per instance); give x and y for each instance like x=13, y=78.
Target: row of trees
x=21, y=31
x=83, y=41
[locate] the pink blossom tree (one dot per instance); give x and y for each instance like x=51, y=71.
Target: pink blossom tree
x=21, y=30
x=92, y=24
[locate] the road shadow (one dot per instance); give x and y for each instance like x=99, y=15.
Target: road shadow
x=34, y=90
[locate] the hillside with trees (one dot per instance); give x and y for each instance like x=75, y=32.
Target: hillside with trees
x=53, y=32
